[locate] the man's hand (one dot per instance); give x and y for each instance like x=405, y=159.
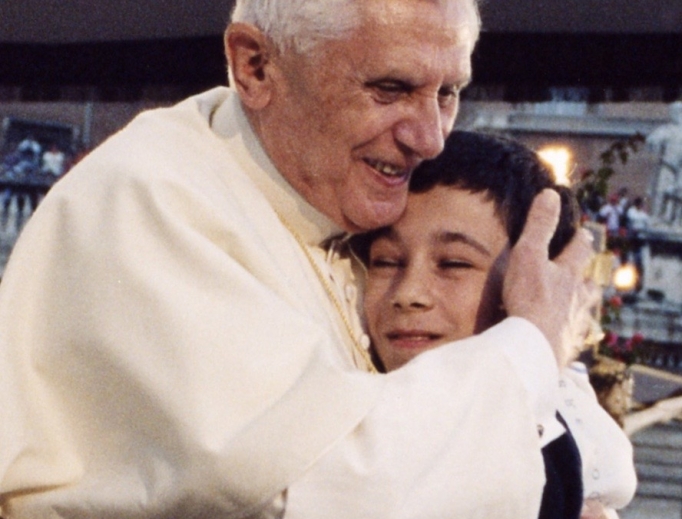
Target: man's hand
x=553, y=295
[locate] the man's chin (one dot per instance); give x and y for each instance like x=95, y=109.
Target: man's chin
x=375, y=216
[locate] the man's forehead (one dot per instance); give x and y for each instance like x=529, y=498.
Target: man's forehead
x=458, y=19
x=388, y=10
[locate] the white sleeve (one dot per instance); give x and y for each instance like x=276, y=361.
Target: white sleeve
x=606, y=452
x=451, y=436
x=162, y=355
x=535, y=365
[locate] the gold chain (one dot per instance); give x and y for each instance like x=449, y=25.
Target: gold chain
x=332, y=296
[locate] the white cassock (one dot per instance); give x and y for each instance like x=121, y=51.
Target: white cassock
x=167, y=350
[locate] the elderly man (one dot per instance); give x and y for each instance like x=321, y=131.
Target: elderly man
x=178, y=326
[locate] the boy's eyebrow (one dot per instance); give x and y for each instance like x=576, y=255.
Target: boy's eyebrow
x=452, y=237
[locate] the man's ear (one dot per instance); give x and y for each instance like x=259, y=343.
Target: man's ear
x=248, y=53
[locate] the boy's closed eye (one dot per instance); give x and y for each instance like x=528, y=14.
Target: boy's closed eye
x=455, y=264
x=385, y=263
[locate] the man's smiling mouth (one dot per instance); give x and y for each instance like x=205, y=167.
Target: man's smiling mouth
x=388, y=170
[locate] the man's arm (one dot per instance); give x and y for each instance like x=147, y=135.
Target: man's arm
x=453, y=435
x=130, y=403
x=166, y=361
x=148, y=342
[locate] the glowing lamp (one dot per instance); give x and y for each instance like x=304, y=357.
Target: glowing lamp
x=625, y=277
x=558, y=158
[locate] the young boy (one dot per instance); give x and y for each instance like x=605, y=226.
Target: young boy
x=436, y=276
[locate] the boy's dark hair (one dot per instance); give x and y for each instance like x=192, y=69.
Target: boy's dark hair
x=510, y=173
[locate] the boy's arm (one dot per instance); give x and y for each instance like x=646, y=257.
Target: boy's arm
x=609, y=474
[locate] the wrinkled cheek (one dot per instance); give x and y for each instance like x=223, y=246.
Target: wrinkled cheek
x=384, y=208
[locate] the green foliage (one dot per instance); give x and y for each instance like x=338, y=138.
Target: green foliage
x=593, y=186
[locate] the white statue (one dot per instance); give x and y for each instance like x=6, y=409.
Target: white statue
x=666, y=142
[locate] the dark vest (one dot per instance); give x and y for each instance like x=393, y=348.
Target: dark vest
x=562, y=497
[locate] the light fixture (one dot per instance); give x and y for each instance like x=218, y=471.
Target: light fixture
x=558, y=158
x=625, y=277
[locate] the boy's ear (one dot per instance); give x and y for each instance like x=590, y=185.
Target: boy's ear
x=248, y=53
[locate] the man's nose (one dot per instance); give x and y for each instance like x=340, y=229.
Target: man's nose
x=424, y=128
x=411, y=291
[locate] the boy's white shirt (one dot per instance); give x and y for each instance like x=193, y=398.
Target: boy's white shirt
x=606, y=452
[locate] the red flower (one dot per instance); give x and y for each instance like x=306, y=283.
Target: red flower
x=616, y=301
x=637, y=338
x=610, y=339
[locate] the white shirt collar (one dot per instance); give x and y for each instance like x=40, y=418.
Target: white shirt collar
x=228, y=120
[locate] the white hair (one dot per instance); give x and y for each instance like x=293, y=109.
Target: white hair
x=299, y=24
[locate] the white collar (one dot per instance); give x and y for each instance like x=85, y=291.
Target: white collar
x=228, y=120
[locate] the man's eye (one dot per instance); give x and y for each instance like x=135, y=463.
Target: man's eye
x=448, y=95
x=389, y=91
